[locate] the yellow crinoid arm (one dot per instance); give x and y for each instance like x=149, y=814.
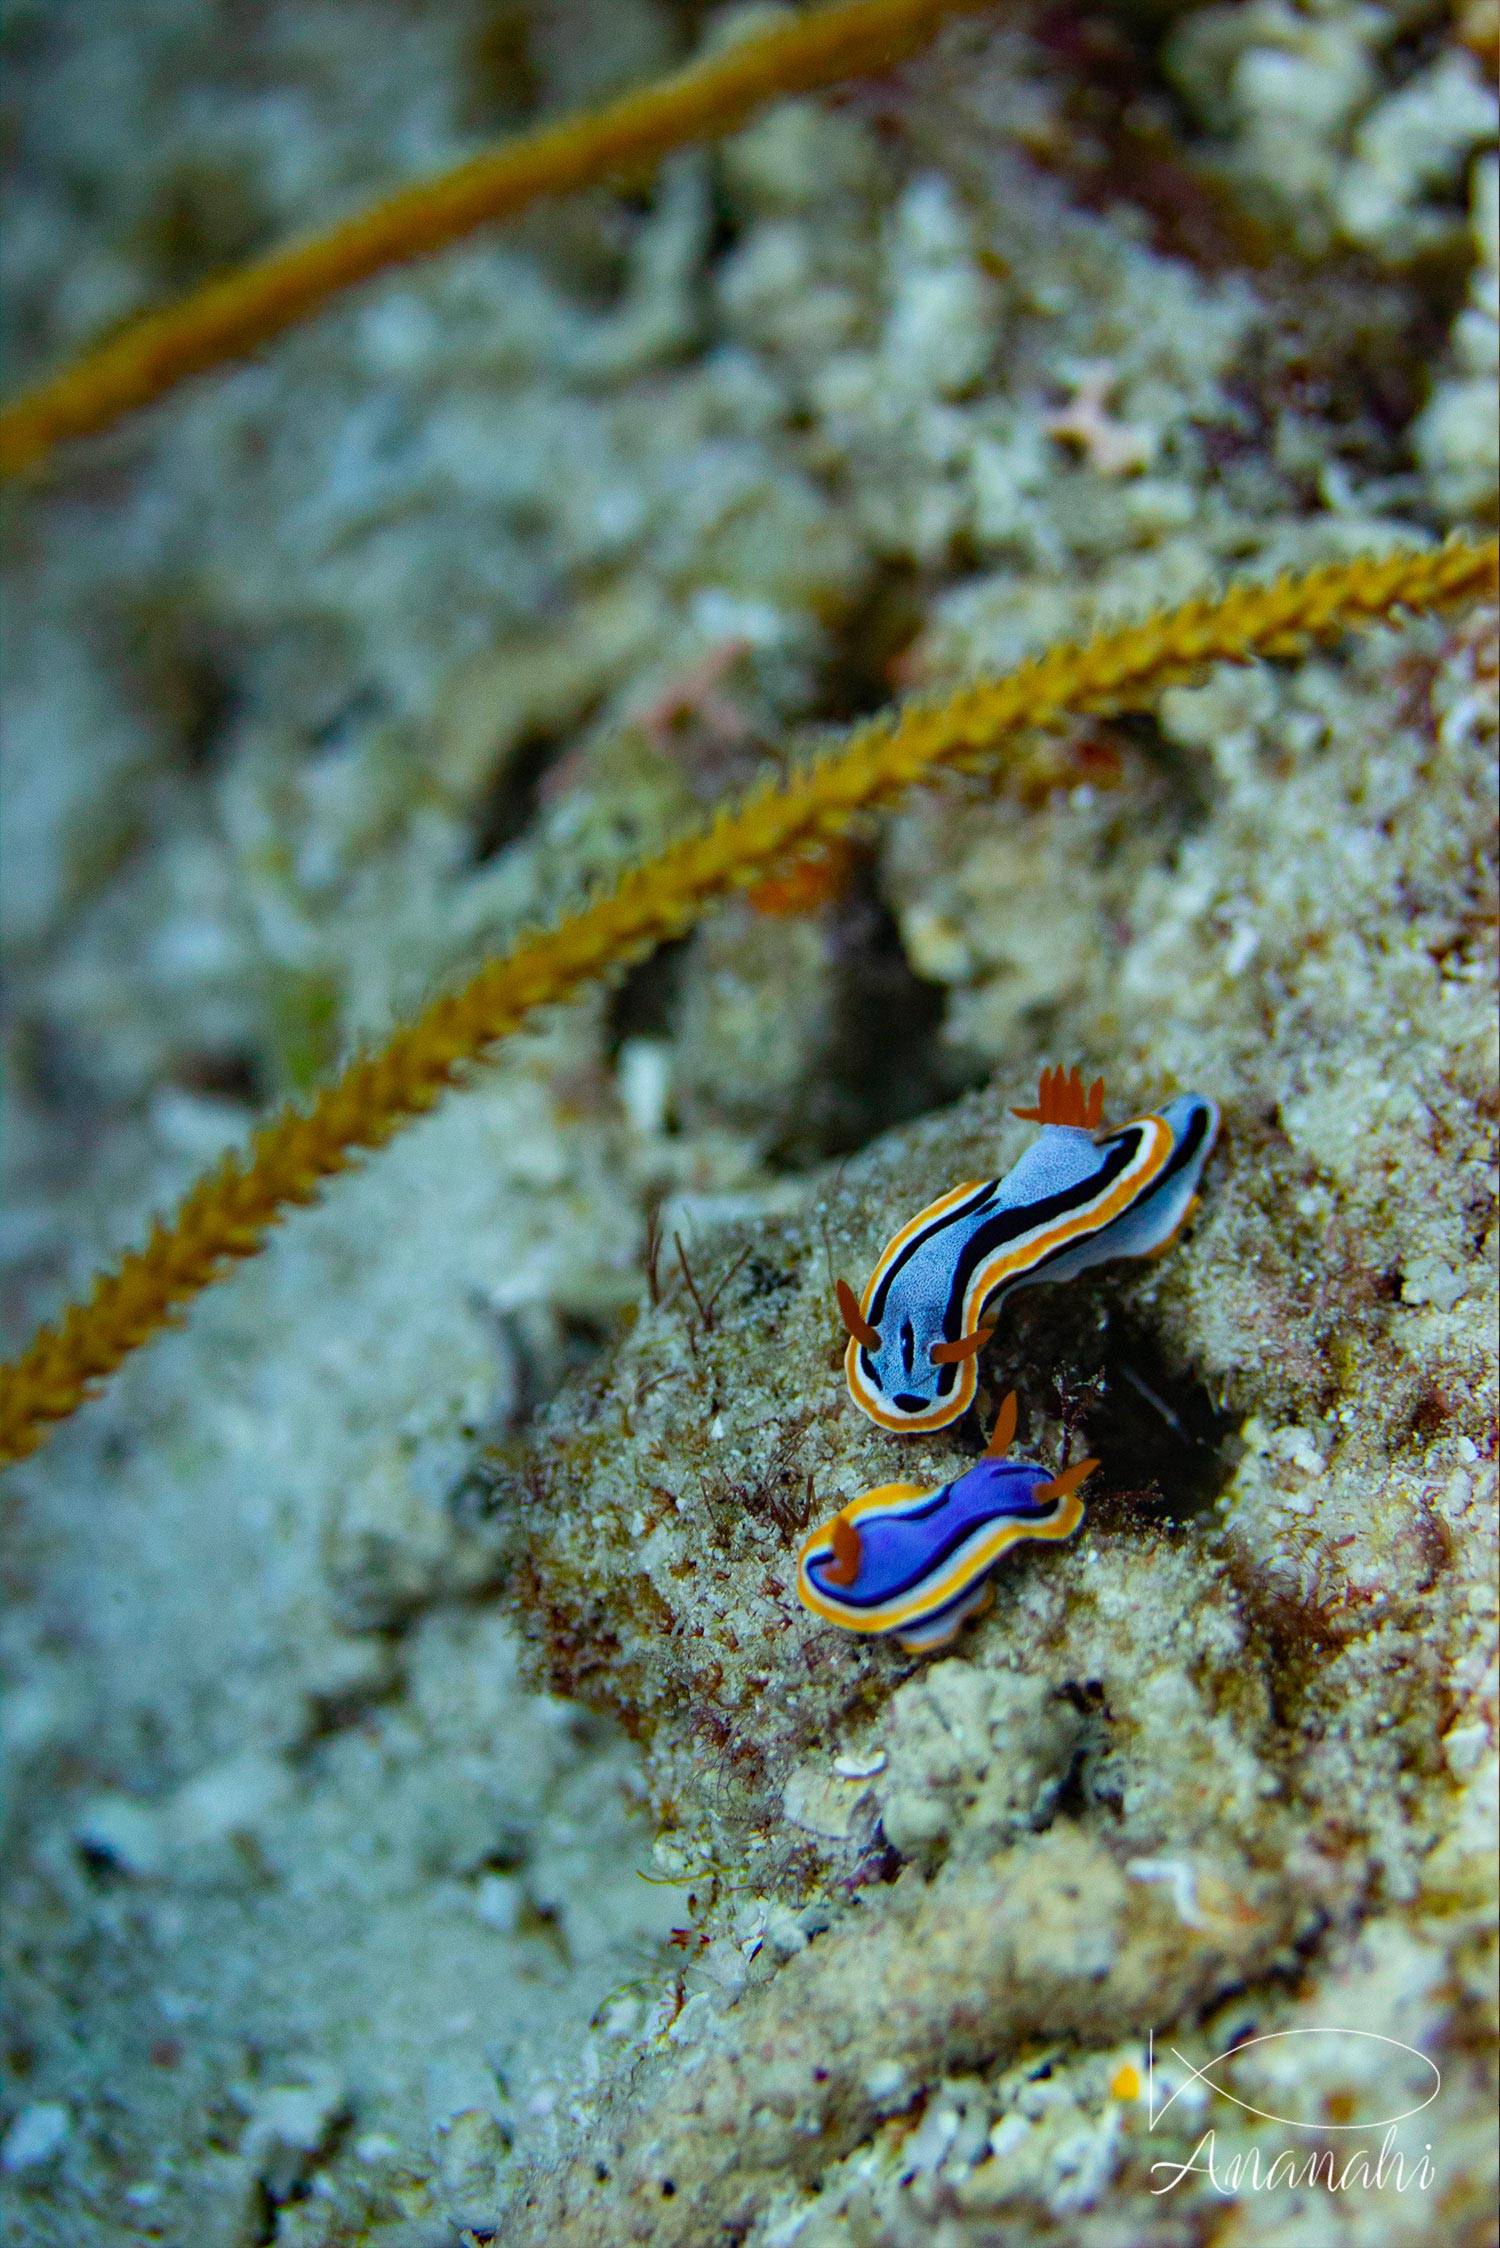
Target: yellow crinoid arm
x=230, y=1212
x=235, y=313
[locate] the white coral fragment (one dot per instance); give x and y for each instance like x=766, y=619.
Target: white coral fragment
x=1412, y=142
x=976, y=1758
x=940, y=329
x=1456, y=437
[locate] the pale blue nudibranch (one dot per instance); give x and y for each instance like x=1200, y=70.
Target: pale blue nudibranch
x=916, y=1562
x=1079, y=1195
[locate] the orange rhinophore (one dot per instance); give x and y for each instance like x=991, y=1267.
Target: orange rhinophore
x=1064, y=1485
x=849, y=1311
x=847, y=1550
x=967, y=1346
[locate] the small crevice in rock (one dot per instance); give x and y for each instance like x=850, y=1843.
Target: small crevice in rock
x=1166, y=1448
x=884, y=1061
x=644, y=1002
x=508, y=807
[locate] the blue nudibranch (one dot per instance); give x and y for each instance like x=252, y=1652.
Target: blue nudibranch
x=1079, y=1195
x=917, y=1562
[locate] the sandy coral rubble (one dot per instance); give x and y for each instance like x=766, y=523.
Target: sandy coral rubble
x=1050, y=1940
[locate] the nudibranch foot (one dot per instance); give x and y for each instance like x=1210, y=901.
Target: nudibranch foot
x=925, y=1639
x=915, y=1562
x=1079, y=1195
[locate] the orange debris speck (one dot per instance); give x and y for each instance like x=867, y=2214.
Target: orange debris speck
x=807, y=885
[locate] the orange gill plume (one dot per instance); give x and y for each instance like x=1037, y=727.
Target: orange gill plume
x=1062, y=1100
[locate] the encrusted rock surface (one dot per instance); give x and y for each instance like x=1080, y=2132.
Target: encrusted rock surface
x=1264, y=1667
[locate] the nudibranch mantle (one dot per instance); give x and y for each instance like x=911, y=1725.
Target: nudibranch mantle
x=916, y=1562
x=1077, y=1197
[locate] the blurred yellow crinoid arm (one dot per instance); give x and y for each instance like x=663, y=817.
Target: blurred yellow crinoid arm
x=232, y=315
x=229, y=1213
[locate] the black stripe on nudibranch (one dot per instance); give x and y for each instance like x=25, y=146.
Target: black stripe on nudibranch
x=956, y=1217
x=993, y=1234
x=936, y=1556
